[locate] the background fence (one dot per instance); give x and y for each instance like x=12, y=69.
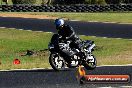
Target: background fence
x=65, y=8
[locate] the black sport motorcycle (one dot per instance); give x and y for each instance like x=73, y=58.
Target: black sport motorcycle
x=60, y=60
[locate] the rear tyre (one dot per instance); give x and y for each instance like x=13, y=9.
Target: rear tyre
x=56, y=62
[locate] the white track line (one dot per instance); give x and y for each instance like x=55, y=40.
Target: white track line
x=25, y=30
x=114, y=65
x=24, y=69
x=74, y=20
x=52, y=32
x=11, y=28
x=28, y=30
x=117, y=87
x=106, y=87
x=20, y=29
x=125, y=86
x=2, y=27
x=38, y=31
x=104, y=37
x=102, y=22
x=49, y=68
x=48, y=32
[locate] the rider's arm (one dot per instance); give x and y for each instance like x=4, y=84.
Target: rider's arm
x=71, y=32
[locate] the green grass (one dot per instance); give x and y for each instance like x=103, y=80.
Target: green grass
x=14, y=43
x=101, y=17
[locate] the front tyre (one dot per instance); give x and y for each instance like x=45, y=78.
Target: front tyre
x=56, y=62
x=90, y=63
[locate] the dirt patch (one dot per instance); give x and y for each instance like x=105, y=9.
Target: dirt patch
x=26, y=16
x=34, y=53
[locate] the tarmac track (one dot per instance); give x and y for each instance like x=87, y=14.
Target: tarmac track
x=64, y=79
x=82, y=28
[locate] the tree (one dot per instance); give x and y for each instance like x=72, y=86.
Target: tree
x=95, y=2
x=127, y=1
x=23, y=1
x=48, y=2
x=6, y=1
x=44, y=2
x=100, y=2
x=113, y=1
x=69, y=1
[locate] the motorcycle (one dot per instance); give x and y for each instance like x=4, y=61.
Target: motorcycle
x=60, y=60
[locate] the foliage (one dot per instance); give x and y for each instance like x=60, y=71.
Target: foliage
x=114, y=1
x=95, y=2
x=24, y=1
x=48, y=2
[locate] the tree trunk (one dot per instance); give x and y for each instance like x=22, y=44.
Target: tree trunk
x=49, y=2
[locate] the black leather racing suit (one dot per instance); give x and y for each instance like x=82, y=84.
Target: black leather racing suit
x=67, y=33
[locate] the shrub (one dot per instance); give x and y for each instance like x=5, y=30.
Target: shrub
x=23, y=1
x=48, y=2
x=114, y=1
x=44, y=2
x=95, y=2
x=88, y=1
x=101, y=2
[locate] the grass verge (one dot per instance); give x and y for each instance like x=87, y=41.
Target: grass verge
x=14, y=43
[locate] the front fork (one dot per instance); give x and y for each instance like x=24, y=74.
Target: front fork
x=87, y=56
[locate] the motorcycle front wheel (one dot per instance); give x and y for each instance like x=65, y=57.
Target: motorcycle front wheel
x=56, y=62
x=90, y=65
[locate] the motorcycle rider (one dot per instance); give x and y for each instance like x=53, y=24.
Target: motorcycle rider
x=66, y=33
